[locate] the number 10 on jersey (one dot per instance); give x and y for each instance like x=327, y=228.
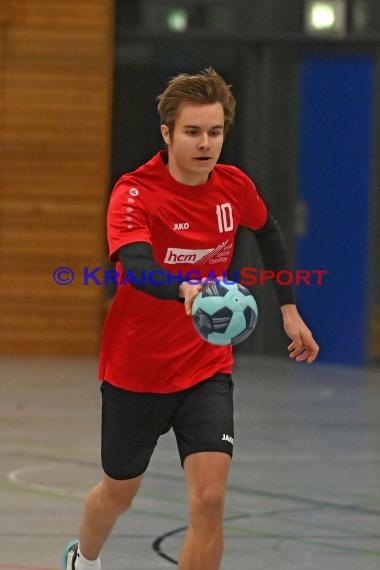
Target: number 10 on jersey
x=225, y=218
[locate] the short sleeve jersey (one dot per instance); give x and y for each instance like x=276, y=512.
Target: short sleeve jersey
x=149, y=344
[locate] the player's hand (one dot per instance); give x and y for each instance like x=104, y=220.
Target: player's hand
x=303, y=346
x=189, y=291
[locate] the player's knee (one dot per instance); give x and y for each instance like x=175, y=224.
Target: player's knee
x=120, y=501
x=209, y=503
x=119, y=494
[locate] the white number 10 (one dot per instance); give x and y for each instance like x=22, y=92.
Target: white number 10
x=225, y=218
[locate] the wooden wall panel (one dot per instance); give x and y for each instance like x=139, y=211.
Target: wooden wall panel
x=56, y=61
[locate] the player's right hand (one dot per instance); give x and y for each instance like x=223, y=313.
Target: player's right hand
x=189, y=291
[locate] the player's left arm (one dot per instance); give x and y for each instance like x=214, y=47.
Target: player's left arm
x=303, y=345
x=275, y=257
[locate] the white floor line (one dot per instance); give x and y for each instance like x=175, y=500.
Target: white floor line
x=16, y=475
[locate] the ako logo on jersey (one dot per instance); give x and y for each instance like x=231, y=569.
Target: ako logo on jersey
x=181, y=226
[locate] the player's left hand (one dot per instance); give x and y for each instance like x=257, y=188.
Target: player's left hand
x=303, y=346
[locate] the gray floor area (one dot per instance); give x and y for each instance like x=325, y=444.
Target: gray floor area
x=304, y=489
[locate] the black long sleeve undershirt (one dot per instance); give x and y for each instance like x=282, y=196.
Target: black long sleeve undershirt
x=137, y=260
x=273, y=251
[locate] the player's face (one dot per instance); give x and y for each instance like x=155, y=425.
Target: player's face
x=196, y=142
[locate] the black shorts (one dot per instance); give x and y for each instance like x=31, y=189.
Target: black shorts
x=132, y=422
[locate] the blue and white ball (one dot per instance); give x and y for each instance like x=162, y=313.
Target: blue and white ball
x=224, y=313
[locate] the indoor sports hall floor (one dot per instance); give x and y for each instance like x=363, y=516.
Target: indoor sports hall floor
x=304, y=490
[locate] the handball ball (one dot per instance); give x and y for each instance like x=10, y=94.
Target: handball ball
x=224, y=313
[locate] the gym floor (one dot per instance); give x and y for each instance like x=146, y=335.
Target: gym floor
x=303, y=491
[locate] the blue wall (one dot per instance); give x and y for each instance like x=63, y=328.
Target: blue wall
x=336, y=111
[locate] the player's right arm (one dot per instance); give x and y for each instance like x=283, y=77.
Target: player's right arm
x=137, y=258
x=146, y=274
x=130, y=243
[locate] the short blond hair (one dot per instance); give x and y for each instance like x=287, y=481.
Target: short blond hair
x=205, y=87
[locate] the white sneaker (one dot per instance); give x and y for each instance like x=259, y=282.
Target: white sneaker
x=70, y=555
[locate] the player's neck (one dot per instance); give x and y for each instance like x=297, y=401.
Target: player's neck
x=186, y=177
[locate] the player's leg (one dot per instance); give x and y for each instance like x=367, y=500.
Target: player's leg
x=206, y=477
x=131, y=425
x=103, y=506
x=204, y=429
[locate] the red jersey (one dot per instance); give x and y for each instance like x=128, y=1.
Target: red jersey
x=149, y=344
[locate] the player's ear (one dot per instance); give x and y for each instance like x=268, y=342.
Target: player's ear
x=165, y=133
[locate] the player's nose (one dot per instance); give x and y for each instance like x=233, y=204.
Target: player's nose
x=204, y=141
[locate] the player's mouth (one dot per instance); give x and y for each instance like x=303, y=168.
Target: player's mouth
x=203, y=158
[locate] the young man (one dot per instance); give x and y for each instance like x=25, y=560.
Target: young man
x=178, y=212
